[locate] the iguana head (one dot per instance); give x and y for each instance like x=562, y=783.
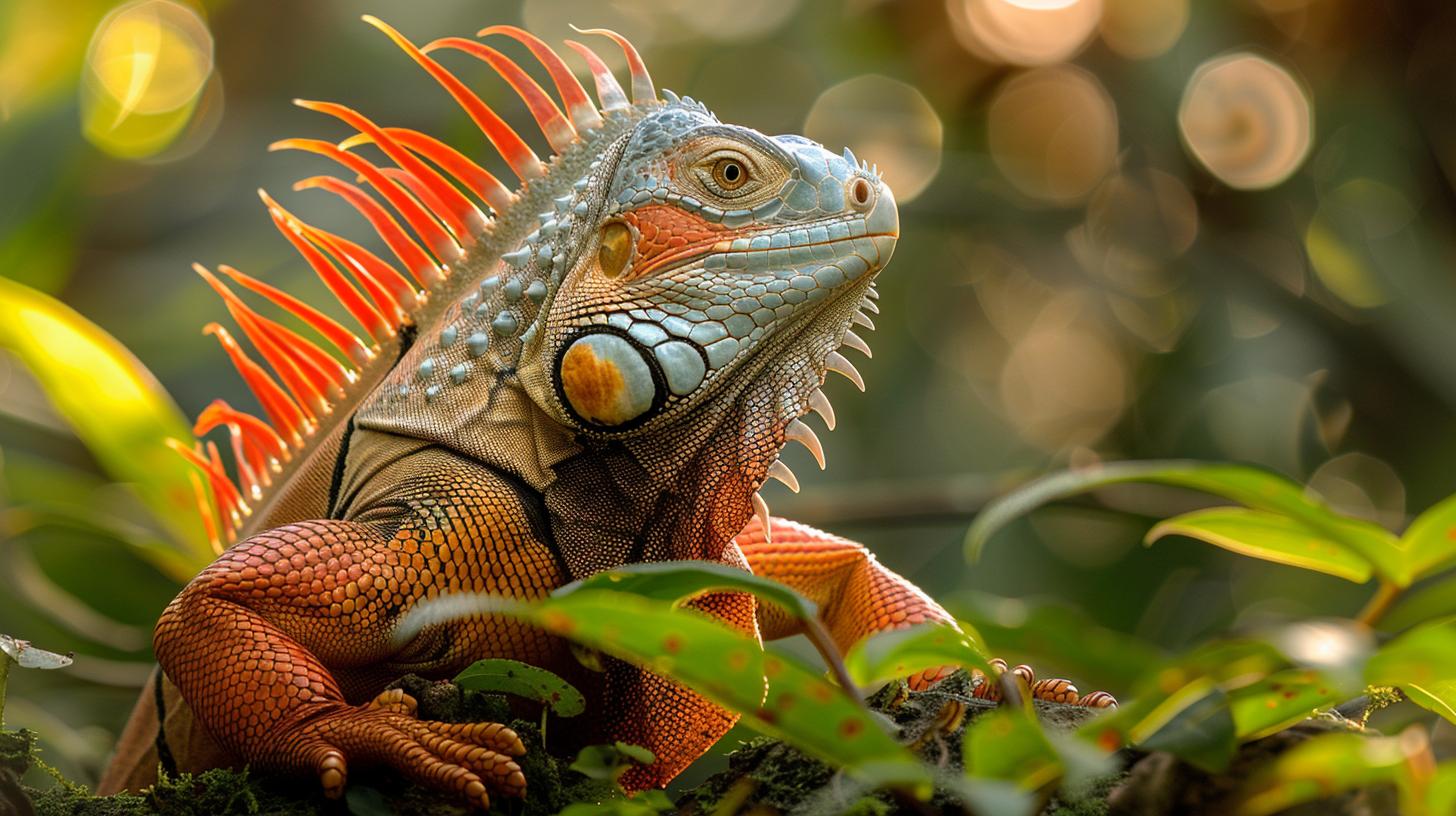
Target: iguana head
x=712, y=265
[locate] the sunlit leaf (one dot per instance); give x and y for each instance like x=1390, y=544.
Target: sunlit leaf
x=609, y=762
x=680, y=580
x=1323, y=767
x=1183, y=707
x=1060, y=636
x=1251, y=487
x=905, y=652
x=117, y=408
x=523, y=680
x=1269, y=537
x=1281, y=700
x=1430, y=540
x=1008, y=744
x=1422, y=663
x=720, y=663
x=1431, y=600
x=1194, y=724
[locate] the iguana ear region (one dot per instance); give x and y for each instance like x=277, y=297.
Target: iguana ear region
x=608, y=381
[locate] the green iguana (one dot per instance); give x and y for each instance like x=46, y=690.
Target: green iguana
x=597, y=367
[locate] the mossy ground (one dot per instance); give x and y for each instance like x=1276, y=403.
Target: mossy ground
x=768, y=776
x=226, y=792
x=763, y=777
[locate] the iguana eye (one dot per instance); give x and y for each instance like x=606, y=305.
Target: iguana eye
x=616, y=249
x=729, y=173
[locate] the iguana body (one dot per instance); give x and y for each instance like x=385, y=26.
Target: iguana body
x=598, y=368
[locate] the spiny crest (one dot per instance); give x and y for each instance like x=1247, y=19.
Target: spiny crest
x=436, y=205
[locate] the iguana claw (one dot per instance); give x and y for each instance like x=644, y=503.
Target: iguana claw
x=1052, y=689
x=471, y=759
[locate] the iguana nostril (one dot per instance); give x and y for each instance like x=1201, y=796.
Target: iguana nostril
x=861, y=194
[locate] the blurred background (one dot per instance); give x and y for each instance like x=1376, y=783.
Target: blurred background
x=1218, y=229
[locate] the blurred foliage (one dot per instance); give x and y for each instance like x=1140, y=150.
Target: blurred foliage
x=1106, y=254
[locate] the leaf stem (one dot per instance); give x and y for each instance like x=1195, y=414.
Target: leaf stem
x=1379, y=603
x=4, y=677
x=819, y=636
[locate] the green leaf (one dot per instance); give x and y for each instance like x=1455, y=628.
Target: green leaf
x=1269, y=537
x=1422, y=663
x=523, y=680
x=1441, y=793
x=1323, y=767
x=1252, y=487
x=723, y=664
x=1194, y=724
x=609, y=762
x=117, y=408
x=1059, y=636
x=1430, y=540
x=677, y=581
x=1008, y=744
x=1183, y=707
x=680, y=581
x=1430, y=601
x=1281, y=700
x=903, y=652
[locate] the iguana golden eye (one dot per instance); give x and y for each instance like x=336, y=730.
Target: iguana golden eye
x=730, y=173
x=538, y=382
x=616, y=249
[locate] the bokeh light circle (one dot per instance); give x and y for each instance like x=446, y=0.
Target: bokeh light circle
x=1053, y=133
x=886, y=122
x=146, y=67
x=1063, y=385
x=1140, y=29
x=1023, y=32
x=1246, y=120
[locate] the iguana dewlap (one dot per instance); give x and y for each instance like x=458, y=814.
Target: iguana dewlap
x=597, y=365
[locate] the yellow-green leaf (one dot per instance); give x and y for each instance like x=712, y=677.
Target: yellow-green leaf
x=1008, y=744
x=904, y=652
x=1252, y=487
x=1422, y=663
x=1269, y=537
x=117, y=408
x=1324, y=767
x=1281, y=700
x=1430, y=541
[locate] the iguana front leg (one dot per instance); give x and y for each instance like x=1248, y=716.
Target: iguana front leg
x=858, y=596
x=251, y=640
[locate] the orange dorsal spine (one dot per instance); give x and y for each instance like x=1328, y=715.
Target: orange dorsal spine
x=429, y=219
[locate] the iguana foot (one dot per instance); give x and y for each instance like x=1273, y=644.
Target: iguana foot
x=470, y=759
x=395, y=700
x=1052, y=689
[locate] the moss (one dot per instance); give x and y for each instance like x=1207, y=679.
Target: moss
x=770, y=775
x=228, y=792
x=17, y=750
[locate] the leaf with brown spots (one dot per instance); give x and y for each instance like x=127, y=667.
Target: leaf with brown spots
x=1281, y=700
x=523, y=680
